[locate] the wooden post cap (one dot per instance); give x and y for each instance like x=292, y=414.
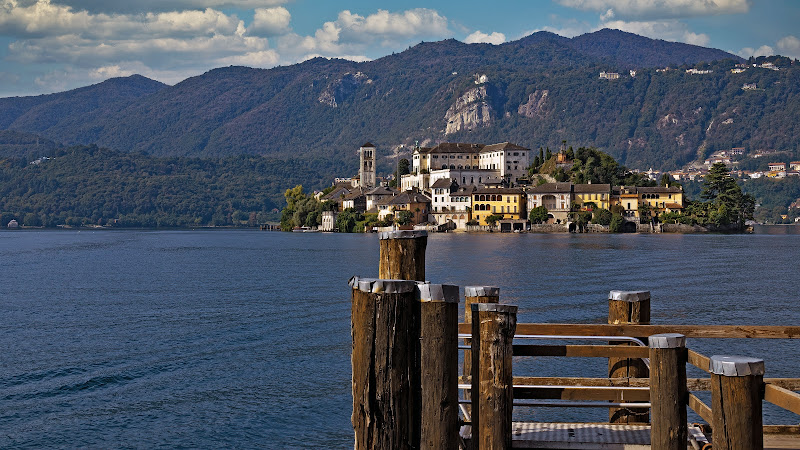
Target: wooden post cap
x=629, y=296
x=736, y=366
x=386, y=286
x=481, y=291
x=355, y=280
x=403, y=234
x=444, y=293
x=667, y=340
x=494, y=307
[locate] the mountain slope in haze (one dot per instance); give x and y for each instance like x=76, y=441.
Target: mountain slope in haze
x=65, y=115
x=536, y=91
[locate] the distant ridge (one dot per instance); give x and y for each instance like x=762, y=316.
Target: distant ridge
x=536, y=91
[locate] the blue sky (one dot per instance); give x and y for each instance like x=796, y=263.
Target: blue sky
x=54, y=45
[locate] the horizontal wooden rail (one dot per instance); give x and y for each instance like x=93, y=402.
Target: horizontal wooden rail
x=702, y=362
x=630, y=394
x=690, y=331
x=692, y=384
x=581, y=351
x=782, y=397
x=782, y=429
x=700, y=408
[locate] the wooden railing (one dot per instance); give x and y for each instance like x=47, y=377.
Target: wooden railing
x=405, y=365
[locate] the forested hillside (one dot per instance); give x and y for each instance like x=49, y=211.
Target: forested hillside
x=96, y=186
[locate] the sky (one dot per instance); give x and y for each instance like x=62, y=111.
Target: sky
x=54, y=45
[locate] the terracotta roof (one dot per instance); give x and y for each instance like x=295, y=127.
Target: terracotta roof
x=484, y=190
x=548, y=188
x=442, y=183
x=368, y=144
x=381, y=190
x=453, y=147
x=673, y=206
x=659, y=190
x=409, y=197
x=592, y=188
x=502, y=146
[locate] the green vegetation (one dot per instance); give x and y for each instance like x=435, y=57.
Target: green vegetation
x=538, y=215
x=82, y=186
x=303, y=210
x=724, y=206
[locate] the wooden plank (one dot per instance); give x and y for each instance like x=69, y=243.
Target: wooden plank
x=783, y=429
x=691, y=331
x=784, y=398
x=578, y=381
x=700, y=361
x=580, y=351
x=700, y=408
x=581, y=393
x=704, y=384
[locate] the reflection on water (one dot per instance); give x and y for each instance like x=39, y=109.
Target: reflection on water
x=242, y=338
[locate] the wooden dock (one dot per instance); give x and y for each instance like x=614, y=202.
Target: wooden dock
x=409, y=391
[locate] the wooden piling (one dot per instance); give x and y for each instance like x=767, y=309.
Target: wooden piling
x=736, y=393
x=493, y=328
x=439, y=365
x=628, y=307
x=402, y=255
x=476, y=294
x=385, y=330
x=668, y=391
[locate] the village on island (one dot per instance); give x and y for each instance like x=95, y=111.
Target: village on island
x=477, y=187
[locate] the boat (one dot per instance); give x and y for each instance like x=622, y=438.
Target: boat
x=304, y=230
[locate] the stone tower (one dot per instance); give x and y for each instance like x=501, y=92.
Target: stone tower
x=366, y=170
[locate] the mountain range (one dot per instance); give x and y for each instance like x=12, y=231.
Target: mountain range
x=537, y=92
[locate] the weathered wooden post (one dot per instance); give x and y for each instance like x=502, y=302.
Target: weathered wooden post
x=736, y=392
x=493, y=328
x=439, y=365
x=668, y=392
x=631, y=307
x=476, y=294
x=385, y=329
x=403, y=255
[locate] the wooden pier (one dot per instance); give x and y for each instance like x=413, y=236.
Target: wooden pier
x=407, y=379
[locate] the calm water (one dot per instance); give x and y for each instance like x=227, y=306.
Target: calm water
x=241, y=338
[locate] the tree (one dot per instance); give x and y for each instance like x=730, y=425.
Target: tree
x=404, y=167
x=617, y=221
x=492, y=219
x=538, y=214
x=404, y=217
x=727, y=206
x=602, y=217
x=346, y=220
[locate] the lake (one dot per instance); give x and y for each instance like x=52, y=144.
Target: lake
x=210, y=339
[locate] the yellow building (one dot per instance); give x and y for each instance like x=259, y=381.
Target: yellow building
x=586, y=195
x=510, y=203
x=657, y=199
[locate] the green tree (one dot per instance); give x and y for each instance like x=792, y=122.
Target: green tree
x=727, y=206
x=404, y=217
x=602, y=217
x=616, y=223
x=538, y=214
x=492, y=219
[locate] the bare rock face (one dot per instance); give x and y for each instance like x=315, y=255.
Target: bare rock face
x=470, y=111
x=342, y=89
x=536, y=106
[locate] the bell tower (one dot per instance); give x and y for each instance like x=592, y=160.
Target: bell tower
x=366, y=170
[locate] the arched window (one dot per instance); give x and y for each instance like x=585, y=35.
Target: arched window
x=444, y=166
x=452, y=166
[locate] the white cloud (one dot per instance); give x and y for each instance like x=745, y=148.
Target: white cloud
x=789, y=46
x=764, y=50
x=668, y=30
x=44, y=18
x=141, y=6
x=351, y=34
x=270, y=21
x=481, y=37
x=660, y=9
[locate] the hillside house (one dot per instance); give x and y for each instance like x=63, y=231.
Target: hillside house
x=591, y=197
x=609, y=76
x=776, y=167
x=794, y=165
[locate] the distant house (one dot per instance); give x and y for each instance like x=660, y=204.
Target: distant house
x=749, y=86
x=777, y=167
x=738, y=70
x=587, y=194
x=328, y=221
x=13, y=224
x=609, y=75
x=737, y=151
x=415, y=202
x=556, y=197
x=698, y=72
x=794, y=165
